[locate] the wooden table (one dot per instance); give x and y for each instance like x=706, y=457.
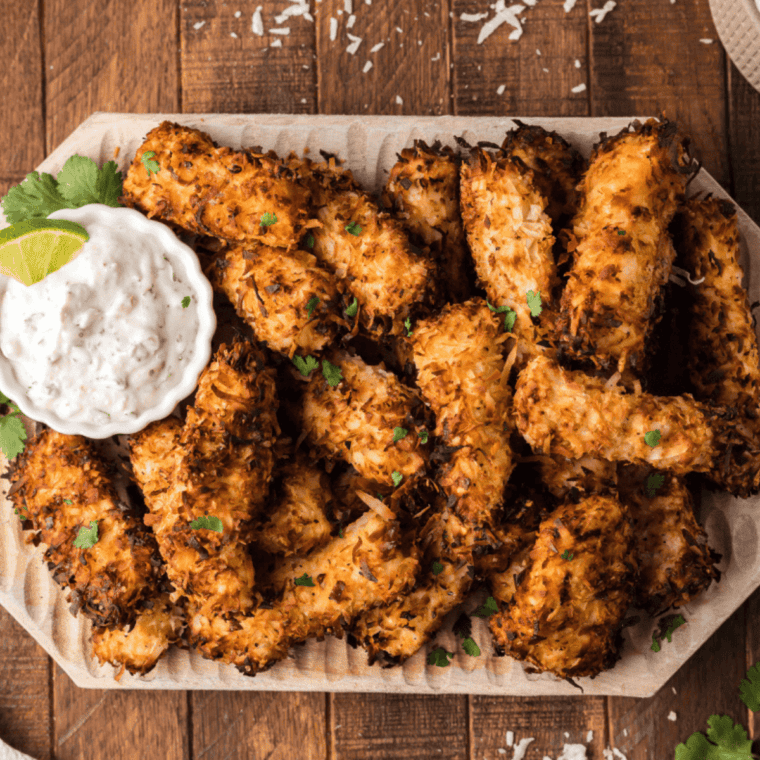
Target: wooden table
x=67, y=58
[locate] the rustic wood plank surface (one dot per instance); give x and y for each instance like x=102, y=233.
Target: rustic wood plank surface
x=72, y=57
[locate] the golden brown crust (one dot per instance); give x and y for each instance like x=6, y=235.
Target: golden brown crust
x=569, y=604
x=624, y=254
x=109, y=581
x=586, y=475
x=216, y=191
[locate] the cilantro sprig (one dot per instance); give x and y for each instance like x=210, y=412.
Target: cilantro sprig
x=12, y=432
x=305, y=580
x=353, y=228
x=423, y=435
x=305, y=364
x=399, y=433
x=87, y=537
x=510, y=316
x=440, y=657
x=667, y=626
x=652, y=438
x=436, y=567
x=567, y=554
x=267, y=219
x=186, y=302
x=352, y=309
x=148, y=160
x=331, y=373
x=311, y=305
x=534, y=302
x=654, y=482
x=207, y=522
x=397, y=477
x=487, y=609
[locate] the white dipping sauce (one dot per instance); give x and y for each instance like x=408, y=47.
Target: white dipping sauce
x=106, y=336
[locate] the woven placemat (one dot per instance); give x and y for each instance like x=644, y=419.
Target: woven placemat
x=738, y=26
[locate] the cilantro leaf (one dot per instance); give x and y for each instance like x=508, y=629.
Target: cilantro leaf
x=108, y=185
x=655, y=644
x=470, y=647
x=305, y=364
x=668, y=625
x=68, y=501
x=750, y=688
x=148, y=159
x=730, y=742
x=399, y=433
x=423, y=434
x=207, y=523
x=353, y=228
x=332, y=374
x=267, y=219
x=310, y=241
x=534, y=302
x=487, y=609
x=77, y=181
x=185, y=302
x=87, y=537
x=652, y=438
x=12, y=435
x=510, y=316
x=311, y=305
x=440, y=657
x=437, y=567
x=35, y=198
x=397, y=478
x=380, y=497
x=408, y=326
x=654, y=481
x=340, y=532
x=567, y=554
x=621, y=232
x=352, y=309
x=305, y=580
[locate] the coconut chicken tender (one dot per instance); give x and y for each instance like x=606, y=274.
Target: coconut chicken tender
x=623, y=254
x=238, y=195
x=288, y=300
x=364, y=247
x=60, y=485
x=218, y=464
x=675, y=562
x=356, y=420
x=460, y=372
x=570, y=600
x=423, y=189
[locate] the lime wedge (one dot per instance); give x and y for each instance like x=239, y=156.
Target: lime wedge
x=32, y=249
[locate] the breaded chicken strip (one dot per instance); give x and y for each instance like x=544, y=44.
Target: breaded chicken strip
x=218, y=464
x=572, y=415
x=570, y=601
x=365, y=568
x=289, y=301
x=364, y=247
x=60, y=485
x=624, y=254
x=423, y=188
x=138, y=649
x=723, y=353
x=298, y=523
x=557, y=166
x=356, y=420
x=460, y=372
x=214, y=191
x=675, y=562
x=511, y=239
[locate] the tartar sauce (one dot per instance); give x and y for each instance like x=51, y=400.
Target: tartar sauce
x=107, y=335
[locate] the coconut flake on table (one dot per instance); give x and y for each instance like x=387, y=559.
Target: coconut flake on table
x=377, y=47
x=355, y=42
x=348, y=6
x=501, y=89
x=573, y=752
x=707, y=41
x=590, y=736
x=351, y=21
x=198, y=24
x=473, y=17
x=598, y=14
x=577, y=63
x=503, y=15
x=367, y=67
x=399, y=100
x=333, y=28
x=238, y=14
x=276, y=43
x=510, y=738
x=611, y=754
x=302, y=9
x=436, y=57
x=280, y=30
x=578, y=88
x=672, y=716
x=257, y=25
x=568, y=5
x=232, y=34
x=522, y=748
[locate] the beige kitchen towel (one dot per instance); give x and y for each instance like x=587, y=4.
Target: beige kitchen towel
x=8, y=753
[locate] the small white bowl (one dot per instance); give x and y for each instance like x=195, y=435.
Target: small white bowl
x=203, y=297
x=738, y=25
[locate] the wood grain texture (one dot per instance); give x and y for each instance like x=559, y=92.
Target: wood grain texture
x=255, y=726
x=228, y=68
x=551, y=721
x=533, y=84
x=93, y=724
x=744, y=139
x=25, y=707
x=647, y=58
x=108, y=55
x=22, y=127
x=412, y=65
x=398, y=727
x=707, y=684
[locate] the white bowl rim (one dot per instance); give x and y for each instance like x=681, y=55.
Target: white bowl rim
x=202, y=349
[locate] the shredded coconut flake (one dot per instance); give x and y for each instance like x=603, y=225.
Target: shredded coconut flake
x=351, y=21
x=501, y=89
x=355, y=42
x=516, y=34
x=546, y=70
x=538, y=52
x=674, y=689
x=573, y=752
x=568, y=5
x=257, y=25
x=510, y=738
x=238, y=14
x=707, y=41
x=198, y=24
x=577, y=64
x=590, y=736
x=348, y=6
x=501, y=751
x=672, y=716
x=276, y=43
x=399, y=30
x=610, y=754
x=399, y=100
x=473, y=17
x=598, y=14
x=377, y=47
x=503, y=15
x=232, y=34
x=436, y=57
x=302, y=9
x=578, y=88
x=333, y=28
x=522, y=748
x=367, y=66
x=280, y=30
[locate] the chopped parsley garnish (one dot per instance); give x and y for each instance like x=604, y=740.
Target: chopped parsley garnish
x=353, y=228
x=267, y=220
x=654, y=481
x=750, y=688
x=470, y=647
x=207, y=523
x=652, y=438
x=510, y=316
x=79, y=182
x=310, y=241
x=68, y=501
x=423, y=434
x=87, y=537
x=305, y=580
x=399, y=433
x=332, y=374
x=621, y=232
x=487, y=609
x=305, y=364
x=672, y=622
x=12, y=432
x=408, y=326
x=567, y=554
x=397, y=478
x=352, y=309
x=440, y=657
x=311, y=305
x=534, y=302
x=185, y=302
x=148, y=159
x=436, y=567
